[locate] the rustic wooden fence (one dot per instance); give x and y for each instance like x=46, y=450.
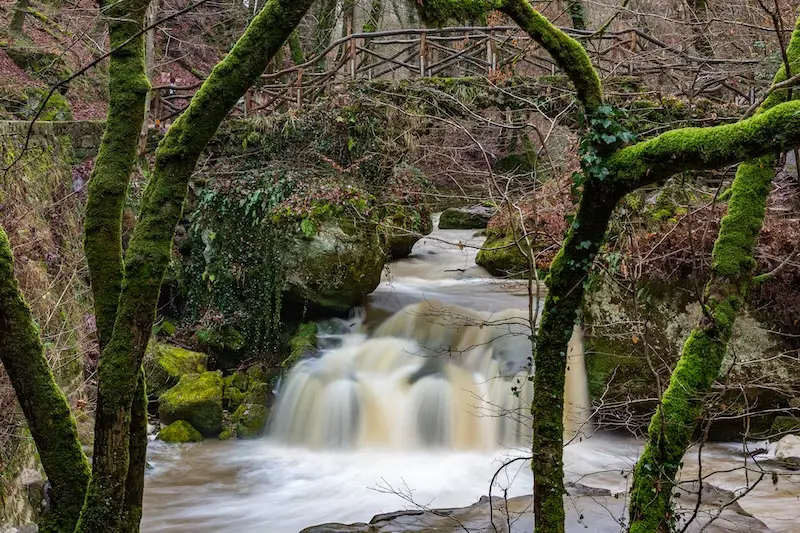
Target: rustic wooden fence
x=464, y=51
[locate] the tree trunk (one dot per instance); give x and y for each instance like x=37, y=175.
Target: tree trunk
x=326, y=19
x=148, y=252
x=702, y=42
x=18, y=19
x=150, y=18
x=45, y=407
x=565, y=284
x=296, y=49
x=733, y=260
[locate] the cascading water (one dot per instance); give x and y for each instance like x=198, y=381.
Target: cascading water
x=432, y=375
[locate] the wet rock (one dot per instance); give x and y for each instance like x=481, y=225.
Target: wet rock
x=164, y=364
x=598, y=514
x=250, y=420
x=180, y=432
x=473, y=217
x=197, y=398
x=579, y=489
x=788, y=450
x=339, y=528
x=336, y=267
x=501, y=256
x=402, y=228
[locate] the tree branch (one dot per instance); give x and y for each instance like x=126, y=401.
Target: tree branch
x=776, y=130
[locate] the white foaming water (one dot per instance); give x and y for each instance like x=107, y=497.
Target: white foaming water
x=432, y=375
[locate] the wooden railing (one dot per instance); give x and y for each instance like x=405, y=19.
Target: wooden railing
x=492, y=51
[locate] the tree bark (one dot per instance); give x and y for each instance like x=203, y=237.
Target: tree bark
x=326, y=19
x=672, y=426
x=45, y=407
x=149, y=249
x=702, y=42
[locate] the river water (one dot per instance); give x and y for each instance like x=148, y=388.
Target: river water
x=418, y=399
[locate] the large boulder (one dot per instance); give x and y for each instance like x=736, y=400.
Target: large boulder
x=332, y=264
x=164, y=364
x=402, y=227
x=501, y=256
x=180, y=432
x=473, y=217
x=788, y=450
x=634, y=329
x=197, y=398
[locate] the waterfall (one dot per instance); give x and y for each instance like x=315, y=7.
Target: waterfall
x=432, y=375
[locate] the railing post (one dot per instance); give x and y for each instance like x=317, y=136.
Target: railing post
x=422, y=54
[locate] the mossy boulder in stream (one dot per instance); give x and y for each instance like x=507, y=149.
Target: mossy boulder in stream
x=634, y=335
x=334, y=266
x=501, y=256
x=402, y=227
x=246, y=398
x=179, y=432
x=197, y=398
x=164, y=364
x=473, y=217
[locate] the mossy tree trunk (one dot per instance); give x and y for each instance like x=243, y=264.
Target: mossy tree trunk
x=148, y=252
x=296, y=49
x=672, y=426
x=45, y=407
x=18, y=19
x=129, y=87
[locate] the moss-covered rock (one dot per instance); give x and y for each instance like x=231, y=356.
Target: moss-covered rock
x=402, y=227
x=197, y=398
x=473, y=217
x=251, y=420
x=784, y=425
x=303, y=341
x=24, y=105
x=180, y=431
x=634, y=336
x=336, y=267
x=164, y=364
x=49, y=66
x=501, y=256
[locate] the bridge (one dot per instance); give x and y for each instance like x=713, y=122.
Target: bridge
x=496, y=52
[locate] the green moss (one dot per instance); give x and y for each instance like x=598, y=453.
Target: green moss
x=784, y=425
x=164, y=364
x=180, y=431
x=227, y=434
x=251, y=420
x=501, y=256
x=197, y=398
x=303, y=341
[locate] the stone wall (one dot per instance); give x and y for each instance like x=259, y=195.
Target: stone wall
x=41, y=210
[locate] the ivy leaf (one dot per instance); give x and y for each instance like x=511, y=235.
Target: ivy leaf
x=609, y=139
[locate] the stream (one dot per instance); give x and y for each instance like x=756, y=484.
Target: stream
x=418, y=399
